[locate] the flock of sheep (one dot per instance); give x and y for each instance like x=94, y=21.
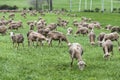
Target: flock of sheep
x=48, y=32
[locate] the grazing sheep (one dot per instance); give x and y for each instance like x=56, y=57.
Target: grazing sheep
x=69, y=31
x=92, y=37
x=35, y=36
x=115, y=29
x=100, y=38
x=108, y=27
x=3, y=30
x=112, y=36
x=76, y=51
x=54, y=35
x=52, y=26
x=82, y=30
x=17, y=38
x=11, y=15
x=44, y=31
x=107, y=48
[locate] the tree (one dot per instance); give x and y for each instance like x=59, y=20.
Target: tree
x=38, y=4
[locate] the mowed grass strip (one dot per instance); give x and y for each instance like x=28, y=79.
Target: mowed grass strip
x=48, y=63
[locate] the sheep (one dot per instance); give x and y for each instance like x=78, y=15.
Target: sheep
x=69, y=31
x=12, y=15
x=35, y=36
x=108, y=27
x=17, y=38
x=115, y=29
x=82, y=30
x=112, y=36
x=3, y=29
x=76, y=51
x=100, y=38
x=52, y=26
x=44, y=31
x=92, y=37
x=54, y=35
x=107, y=48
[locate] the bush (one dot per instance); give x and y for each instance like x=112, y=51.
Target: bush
x=7, y=7
x=114, y=9
x=30, y=8
x=97, y=9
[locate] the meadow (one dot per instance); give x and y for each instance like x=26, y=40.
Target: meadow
x=65, y=4
x=53, y=63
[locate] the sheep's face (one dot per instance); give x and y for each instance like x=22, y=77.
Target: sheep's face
x=106, y=56
x=81, y=65
x=11, y=33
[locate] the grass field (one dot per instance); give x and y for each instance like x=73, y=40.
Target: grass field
x=66, y=4
x=53, y=63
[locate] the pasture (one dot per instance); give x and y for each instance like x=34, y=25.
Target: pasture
x=53, y=63
x=65, y=4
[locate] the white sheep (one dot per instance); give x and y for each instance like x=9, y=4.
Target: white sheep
x=76, y=51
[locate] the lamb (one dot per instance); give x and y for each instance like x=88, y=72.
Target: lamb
x=54, y=35
x=76, y=51
x=92, y=37
x=3, y=29
x=17, y=38
x=69, y=31
x=35, y=36
x=107, y=48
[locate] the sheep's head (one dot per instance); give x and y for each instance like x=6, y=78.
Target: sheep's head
x=92, y=43
x=106, y=56
x=11, y=34
x=81, y=65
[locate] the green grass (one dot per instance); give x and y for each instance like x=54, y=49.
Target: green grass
x=65, y=4
x=53, y=63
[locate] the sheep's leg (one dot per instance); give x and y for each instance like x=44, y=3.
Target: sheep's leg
x=36, y=42
x=59, y=42
x=50, y=42
x=13, y=44
x=71, y=62
x=23, y=44
x=28, y=43
x=72, y=57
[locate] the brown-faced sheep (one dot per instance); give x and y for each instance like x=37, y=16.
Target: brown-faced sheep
x=107, y=48
x=17, y=38
x=76, y=51
x=3, y=29
x=35, y=36
x=54, y=35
